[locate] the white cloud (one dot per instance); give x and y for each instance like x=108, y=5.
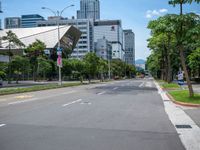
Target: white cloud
x=153, y=13
x=163, y=10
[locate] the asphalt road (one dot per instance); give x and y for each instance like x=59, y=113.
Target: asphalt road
x=120, y=115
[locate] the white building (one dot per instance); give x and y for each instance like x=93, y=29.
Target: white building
x=113, y=32
x=69, y=36
x=86, y=42
x=103, y=49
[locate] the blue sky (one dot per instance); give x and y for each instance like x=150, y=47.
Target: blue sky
x=135, y=14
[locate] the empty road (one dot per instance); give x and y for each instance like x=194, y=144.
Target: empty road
x=119, y=115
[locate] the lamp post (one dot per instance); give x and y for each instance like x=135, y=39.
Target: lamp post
x=59, y=51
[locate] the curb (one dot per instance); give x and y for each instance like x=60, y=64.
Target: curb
x=182, y=103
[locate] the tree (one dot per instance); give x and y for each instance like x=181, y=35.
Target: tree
x=180, y=36
x=91, y=61
x=35, y=50
x=78, y=67
x=67, y=67
x=102, y=68
x=194, y=61
x=44, y=67
x=19, y=65
x=163, y=39
x=13, y=41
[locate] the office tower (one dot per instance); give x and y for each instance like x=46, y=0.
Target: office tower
x=129, y=44
x=103, y=49
x=29, y=21
x=89, y=9
x=12, y=22
x=85, y=43
x=0, y=12
x=113, y=32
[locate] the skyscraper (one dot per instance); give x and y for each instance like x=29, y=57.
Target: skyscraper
x=129, y=44
x=0, y=12
x=89, y=9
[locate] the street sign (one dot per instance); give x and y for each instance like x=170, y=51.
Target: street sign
x=180, y=78
x=59, y=49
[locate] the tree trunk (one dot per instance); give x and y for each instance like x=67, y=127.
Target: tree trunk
x=191, y=92
x=169, y=70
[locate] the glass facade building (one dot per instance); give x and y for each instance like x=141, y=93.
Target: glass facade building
x=12, y=22
x=129, y=39
x=89, y=9
x=29, y=21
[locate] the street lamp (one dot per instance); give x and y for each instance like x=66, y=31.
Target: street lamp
x=58, y=14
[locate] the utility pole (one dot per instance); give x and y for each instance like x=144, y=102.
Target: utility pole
x=58, y=14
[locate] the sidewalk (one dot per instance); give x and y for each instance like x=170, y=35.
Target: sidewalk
x=194, y=113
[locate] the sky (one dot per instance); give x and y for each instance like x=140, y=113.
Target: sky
x=135, y=14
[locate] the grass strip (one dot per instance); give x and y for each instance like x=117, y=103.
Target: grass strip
x=37, y=88
x=170, y=86
x=183, y=96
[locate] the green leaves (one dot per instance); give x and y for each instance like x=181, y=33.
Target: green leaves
x=175, y=2
x=12, y=39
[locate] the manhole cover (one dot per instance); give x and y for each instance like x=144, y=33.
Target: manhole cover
x=183, y=126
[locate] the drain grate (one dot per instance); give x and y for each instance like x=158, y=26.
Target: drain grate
x=183, y=126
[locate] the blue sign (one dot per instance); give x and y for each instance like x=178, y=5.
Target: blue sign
x=59, y=49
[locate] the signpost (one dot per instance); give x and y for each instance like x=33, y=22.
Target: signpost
x=180, y=78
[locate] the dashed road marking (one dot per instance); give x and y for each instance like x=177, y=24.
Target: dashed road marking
x=142, y=84
x=24, y=101
x=101, y=93
x=77, y=101
x=115, y=88
x=1, y=125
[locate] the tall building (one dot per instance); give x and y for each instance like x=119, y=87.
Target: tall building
x=0, y=12
x=12, y=22
x=89, y=9
x=103, y=49
x=113, y=32
x=85, y=43
x=129, y=44
x=29, y=21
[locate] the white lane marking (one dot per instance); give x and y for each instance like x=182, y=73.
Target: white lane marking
x=1, y=125
x=115, y=88
x=101, y=93
x=79, y=100
x=148, y=84
x=24, y=101
x=142, y=84
x=70, y=92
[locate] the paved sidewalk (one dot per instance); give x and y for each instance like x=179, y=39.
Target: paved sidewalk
x=194, y=113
